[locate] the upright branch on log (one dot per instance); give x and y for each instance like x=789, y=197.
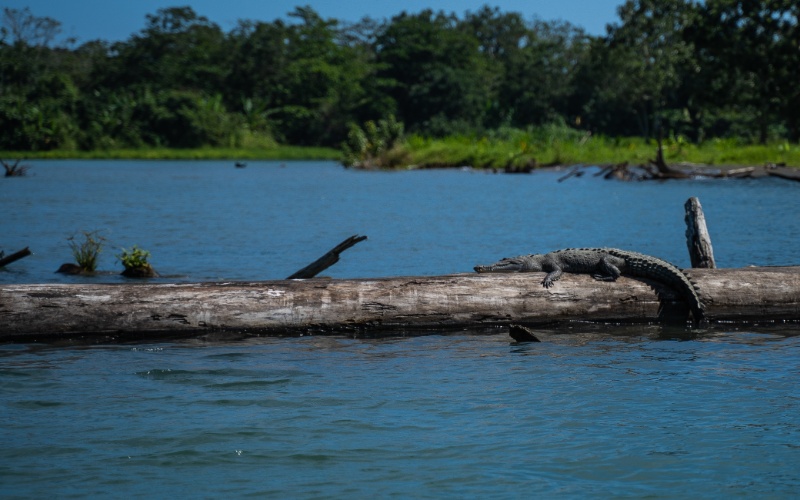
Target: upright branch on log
x=4, y=261
x=664, y=171
x=697, y=237
x=659, y=162
x=15, y=170
x=327, y=260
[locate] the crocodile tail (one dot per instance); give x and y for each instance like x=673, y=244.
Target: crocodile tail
x=647, y=266
x=699, y=308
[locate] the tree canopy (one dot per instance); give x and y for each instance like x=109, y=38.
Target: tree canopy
x=718, y=68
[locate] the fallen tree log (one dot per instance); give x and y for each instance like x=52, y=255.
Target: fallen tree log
x=322, y=306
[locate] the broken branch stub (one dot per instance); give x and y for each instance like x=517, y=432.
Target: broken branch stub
x=698, y=240
x=327, y=260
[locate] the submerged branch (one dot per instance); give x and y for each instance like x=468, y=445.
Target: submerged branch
x=4, y=261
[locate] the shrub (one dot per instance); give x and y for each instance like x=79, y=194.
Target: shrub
x=374, y=144
x=136, y=265
x=135, y=258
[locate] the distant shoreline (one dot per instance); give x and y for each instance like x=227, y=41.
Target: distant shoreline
x=459, y=152
x=234, y=154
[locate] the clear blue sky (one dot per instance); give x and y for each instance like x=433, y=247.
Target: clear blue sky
x=115, y=20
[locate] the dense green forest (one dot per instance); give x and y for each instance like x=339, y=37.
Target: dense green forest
x=684, y=69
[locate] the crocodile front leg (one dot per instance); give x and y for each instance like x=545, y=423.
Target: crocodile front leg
x=553, y=276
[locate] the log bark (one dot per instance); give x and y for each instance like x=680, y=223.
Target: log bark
x=148, y=311
x=698, y=240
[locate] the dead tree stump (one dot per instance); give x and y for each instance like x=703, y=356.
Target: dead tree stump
x=697, y=237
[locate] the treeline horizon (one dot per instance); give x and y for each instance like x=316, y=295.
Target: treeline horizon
x=677, y=68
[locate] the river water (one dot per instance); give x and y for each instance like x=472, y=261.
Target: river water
x=592, y=410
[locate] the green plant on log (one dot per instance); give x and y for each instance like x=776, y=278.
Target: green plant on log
x=372, y=145
x=135, y=258
x=87, y=251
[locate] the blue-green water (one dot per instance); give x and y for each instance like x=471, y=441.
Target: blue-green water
x=591, y=411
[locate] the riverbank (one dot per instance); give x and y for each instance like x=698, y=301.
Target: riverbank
x=514, y=149
x=528, y=150
x=277, y=153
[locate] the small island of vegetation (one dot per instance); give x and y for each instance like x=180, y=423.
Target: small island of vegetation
x=716, y=80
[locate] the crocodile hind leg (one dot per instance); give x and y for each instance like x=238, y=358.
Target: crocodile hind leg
x=607, y=269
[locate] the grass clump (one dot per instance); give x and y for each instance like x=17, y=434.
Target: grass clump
x=87, y=251
x=505, y=148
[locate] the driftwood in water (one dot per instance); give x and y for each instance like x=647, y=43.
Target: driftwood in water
x=327, y=260
x=697, y=238
x=662, y=170
x=627, y=172
x=659, y=169
x=4, y=261
x=783, y=172
x=15, y=170
x=151, y=311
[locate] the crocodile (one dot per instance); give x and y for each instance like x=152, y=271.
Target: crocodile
x=605, y=264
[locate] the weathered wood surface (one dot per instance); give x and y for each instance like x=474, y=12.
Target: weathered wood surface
x=151, y=311
x=701, y=253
